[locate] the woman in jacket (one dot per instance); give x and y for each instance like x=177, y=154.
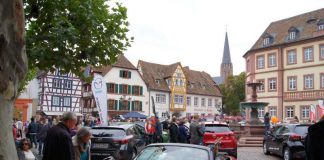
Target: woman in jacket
x=81, y=144
x=24, y=150
x=182, y=132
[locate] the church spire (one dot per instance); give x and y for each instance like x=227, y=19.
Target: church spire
x=226, y=66
x=226, y=52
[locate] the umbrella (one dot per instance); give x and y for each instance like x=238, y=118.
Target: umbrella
x=134, y=115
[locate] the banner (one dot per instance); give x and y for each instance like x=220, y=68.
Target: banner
x=99, y=91
x=320, y=109
x=312, y=113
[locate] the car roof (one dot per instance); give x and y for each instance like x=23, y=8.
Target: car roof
x=295, y=124
x=121, y=126
x=180, y=145
x=217, y=122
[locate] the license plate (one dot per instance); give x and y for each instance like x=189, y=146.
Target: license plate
x=100, y=145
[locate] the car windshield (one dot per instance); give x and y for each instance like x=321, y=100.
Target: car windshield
x=108, y=132
x=217, y=128
x=173, y=153
x=301, y=130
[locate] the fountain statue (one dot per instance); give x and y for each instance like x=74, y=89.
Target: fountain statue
x=254, y=105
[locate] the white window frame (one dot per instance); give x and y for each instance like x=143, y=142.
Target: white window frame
x=160, y=98
x=272, y=60
x=178, y=99
x=57, y=83
x=210, y=102
x=261, y=112
x=67, y=101
x=322, y=80
x=196, y=101
x=322, y=51
x=305, y=112
x=292, y=83
x=273, y=111
x=260, y=60
x=56, y=101
x=188, y=101
x=272, y=84
x=308, y=54
x=290, y=112
x=203, y=102
x=261, y=87
x=321, y=27
x=292, y=57
x=309, y=82
x=266, y=41
x=292, y=35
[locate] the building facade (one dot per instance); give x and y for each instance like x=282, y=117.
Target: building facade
x=59, y=93
x=288, y=59
x=179, y=91
x=126, y=90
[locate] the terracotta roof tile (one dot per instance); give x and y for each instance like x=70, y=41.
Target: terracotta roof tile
x=306, y=24
x=121, y=62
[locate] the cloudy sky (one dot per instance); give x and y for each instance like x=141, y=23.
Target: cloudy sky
x=193, y=31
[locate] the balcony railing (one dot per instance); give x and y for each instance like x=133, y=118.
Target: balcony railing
x=304, y=95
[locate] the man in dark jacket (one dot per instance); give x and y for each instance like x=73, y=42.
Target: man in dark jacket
x=314, y=143
x=43, y=127
x=158, y=131
x=58, y=142
x=196, y=132
x=32, y=131
x=174, y=131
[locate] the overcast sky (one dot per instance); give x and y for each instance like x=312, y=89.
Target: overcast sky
x=193, y=31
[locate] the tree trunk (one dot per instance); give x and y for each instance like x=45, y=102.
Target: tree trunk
x=13, y=67
x=7, y=145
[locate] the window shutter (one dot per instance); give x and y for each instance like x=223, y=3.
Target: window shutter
x=129, y=89
x=107, y=85
x=141, y=106
x=120, y=88
x=116, y=105
x=116, y=88
x=141, y=91
x=120, y=105
x=121, y=73
x=129, y=74
x=133, y=105
x=133, y=93
x=129, y=105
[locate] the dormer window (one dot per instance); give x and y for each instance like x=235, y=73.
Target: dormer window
x=267, y=39
x=157, y=81
x=292, y=33
x=320, y=25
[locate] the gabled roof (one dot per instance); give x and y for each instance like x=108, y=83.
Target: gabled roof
x=200, y=83
x=306, y=24
x=121, y=62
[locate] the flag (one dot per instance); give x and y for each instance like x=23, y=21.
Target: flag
x=99, y=91
x=312, y=113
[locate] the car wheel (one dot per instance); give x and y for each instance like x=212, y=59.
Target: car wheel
x=265, y=149
x=287, y=154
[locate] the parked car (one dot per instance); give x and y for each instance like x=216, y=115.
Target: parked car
x=120, y=142
x=216, y=130
x=178, y=151
x=286, y=140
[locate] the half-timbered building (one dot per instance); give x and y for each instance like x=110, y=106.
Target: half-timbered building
x=59, y=92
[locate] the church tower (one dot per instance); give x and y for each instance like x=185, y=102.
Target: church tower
x=226, y=66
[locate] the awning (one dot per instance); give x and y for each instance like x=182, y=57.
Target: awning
x=58, y=113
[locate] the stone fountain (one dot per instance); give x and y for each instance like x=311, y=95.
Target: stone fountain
x=254, y=105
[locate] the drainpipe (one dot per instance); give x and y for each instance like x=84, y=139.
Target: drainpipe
x=149, y=102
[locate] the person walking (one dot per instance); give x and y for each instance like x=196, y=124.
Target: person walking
x=158, y=131
x=32, y=131
x=43, y=128
x=149, y=131
x=81, y=144
x=183, y=134
x=195, y=131
x=19, y=125
x=174, y=131
x=58, y=142
x=266, y=122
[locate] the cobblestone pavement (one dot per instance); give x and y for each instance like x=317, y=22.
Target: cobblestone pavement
x=254, y=153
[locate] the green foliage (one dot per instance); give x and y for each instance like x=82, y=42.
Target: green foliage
x=233, y=93
x=30, y=75
x=72, y=34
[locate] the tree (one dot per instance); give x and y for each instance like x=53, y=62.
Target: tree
x=64, y=34
x=233, y=93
